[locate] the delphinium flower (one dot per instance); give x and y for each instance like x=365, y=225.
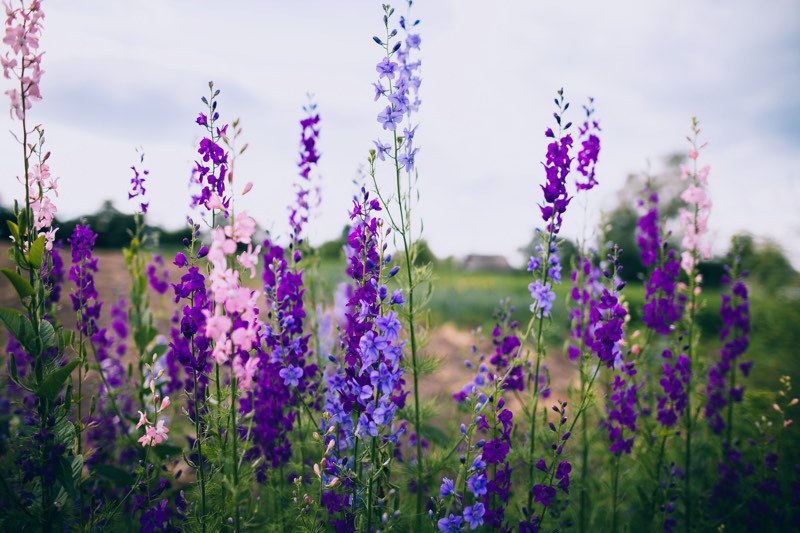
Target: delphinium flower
x=137, y=189
x=85, y=299
x=233, y=325
x=664, y=302
x=367, y=385
x=155, y=430
x=189, y=345
x=722, y=390
x=309, y=159
x=158, y=275
x=491, y=419
x=211, y=169
x=545, y=264
x=607, y=321
x=22, y=62
x=584, y=295
x=694, y=218
x=675, y=378
x=553, y=476
x=590, y=148
x=41, y=185
x=397, y=89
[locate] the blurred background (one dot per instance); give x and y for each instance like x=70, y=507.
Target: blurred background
x=117, y=79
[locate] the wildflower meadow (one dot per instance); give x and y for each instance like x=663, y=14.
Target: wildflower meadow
x=247, y=381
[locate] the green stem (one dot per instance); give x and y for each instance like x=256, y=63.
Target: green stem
x=198, y=440
x=234, y=433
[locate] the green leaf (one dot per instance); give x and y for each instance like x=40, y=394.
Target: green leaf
x=36, y=257
x=53, y=382
x=19, y=326
x=48, y=335
x=21, y=285
x=164, y=450
x=13, y=229
x=65, y=433
x=69, y=473
x=160, y=349
x=115, y=474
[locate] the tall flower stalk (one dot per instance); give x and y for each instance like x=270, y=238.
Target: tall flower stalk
x=695, y=225
x=400, y=72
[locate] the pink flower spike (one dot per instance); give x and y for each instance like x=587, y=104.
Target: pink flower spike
x=247, y=188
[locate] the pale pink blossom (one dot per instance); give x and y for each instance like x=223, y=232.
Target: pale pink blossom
x=247, y=188
x=217, y=325
x=244, y=373
x=215, y=202
x=164, y=403
x=243, y=228
x=249, y=259
x=142, y=420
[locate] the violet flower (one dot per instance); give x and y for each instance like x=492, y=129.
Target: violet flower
x=85, y=299
x=590, y=148
x=721, y=389
x=211, y=169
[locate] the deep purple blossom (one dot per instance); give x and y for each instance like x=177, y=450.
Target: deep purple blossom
x=84, y=298
x=721, y=391
x=676, y=375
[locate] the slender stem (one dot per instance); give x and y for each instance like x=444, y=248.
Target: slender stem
x=234, y=432
x=198, y=440
x=585, y=463
x=614, y=488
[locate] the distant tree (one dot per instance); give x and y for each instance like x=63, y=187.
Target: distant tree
x=334, y=249
x=765, y=261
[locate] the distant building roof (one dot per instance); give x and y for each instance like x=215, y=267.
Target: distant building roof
x=475, y=262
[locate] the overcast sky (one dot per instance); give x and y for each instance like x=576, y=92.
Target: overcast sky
x=121, y=77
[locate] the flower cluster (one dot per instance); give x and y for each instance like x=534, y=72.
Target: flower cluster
x=137, y=185
x=40, y=186
x=735, y=311
x=556, y=474
x=590, y=148
x=557, y=167
x=587, y=287
x=372, y=375
x=309, y=158
x=159, y=281
x=234, y=325
x=648, y=229
x=158, y=432
x=676, y=375
x=212, y=168
x=694, y=220
x=664, y=303
x=188, y=344
x=84, y=266
x=401, y=92
x=23, y=63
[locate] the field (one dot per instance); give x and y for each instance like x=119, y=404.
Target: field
x=236, y=375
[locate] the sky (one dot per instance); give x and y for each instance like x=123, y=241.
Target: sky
x=121, y=78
